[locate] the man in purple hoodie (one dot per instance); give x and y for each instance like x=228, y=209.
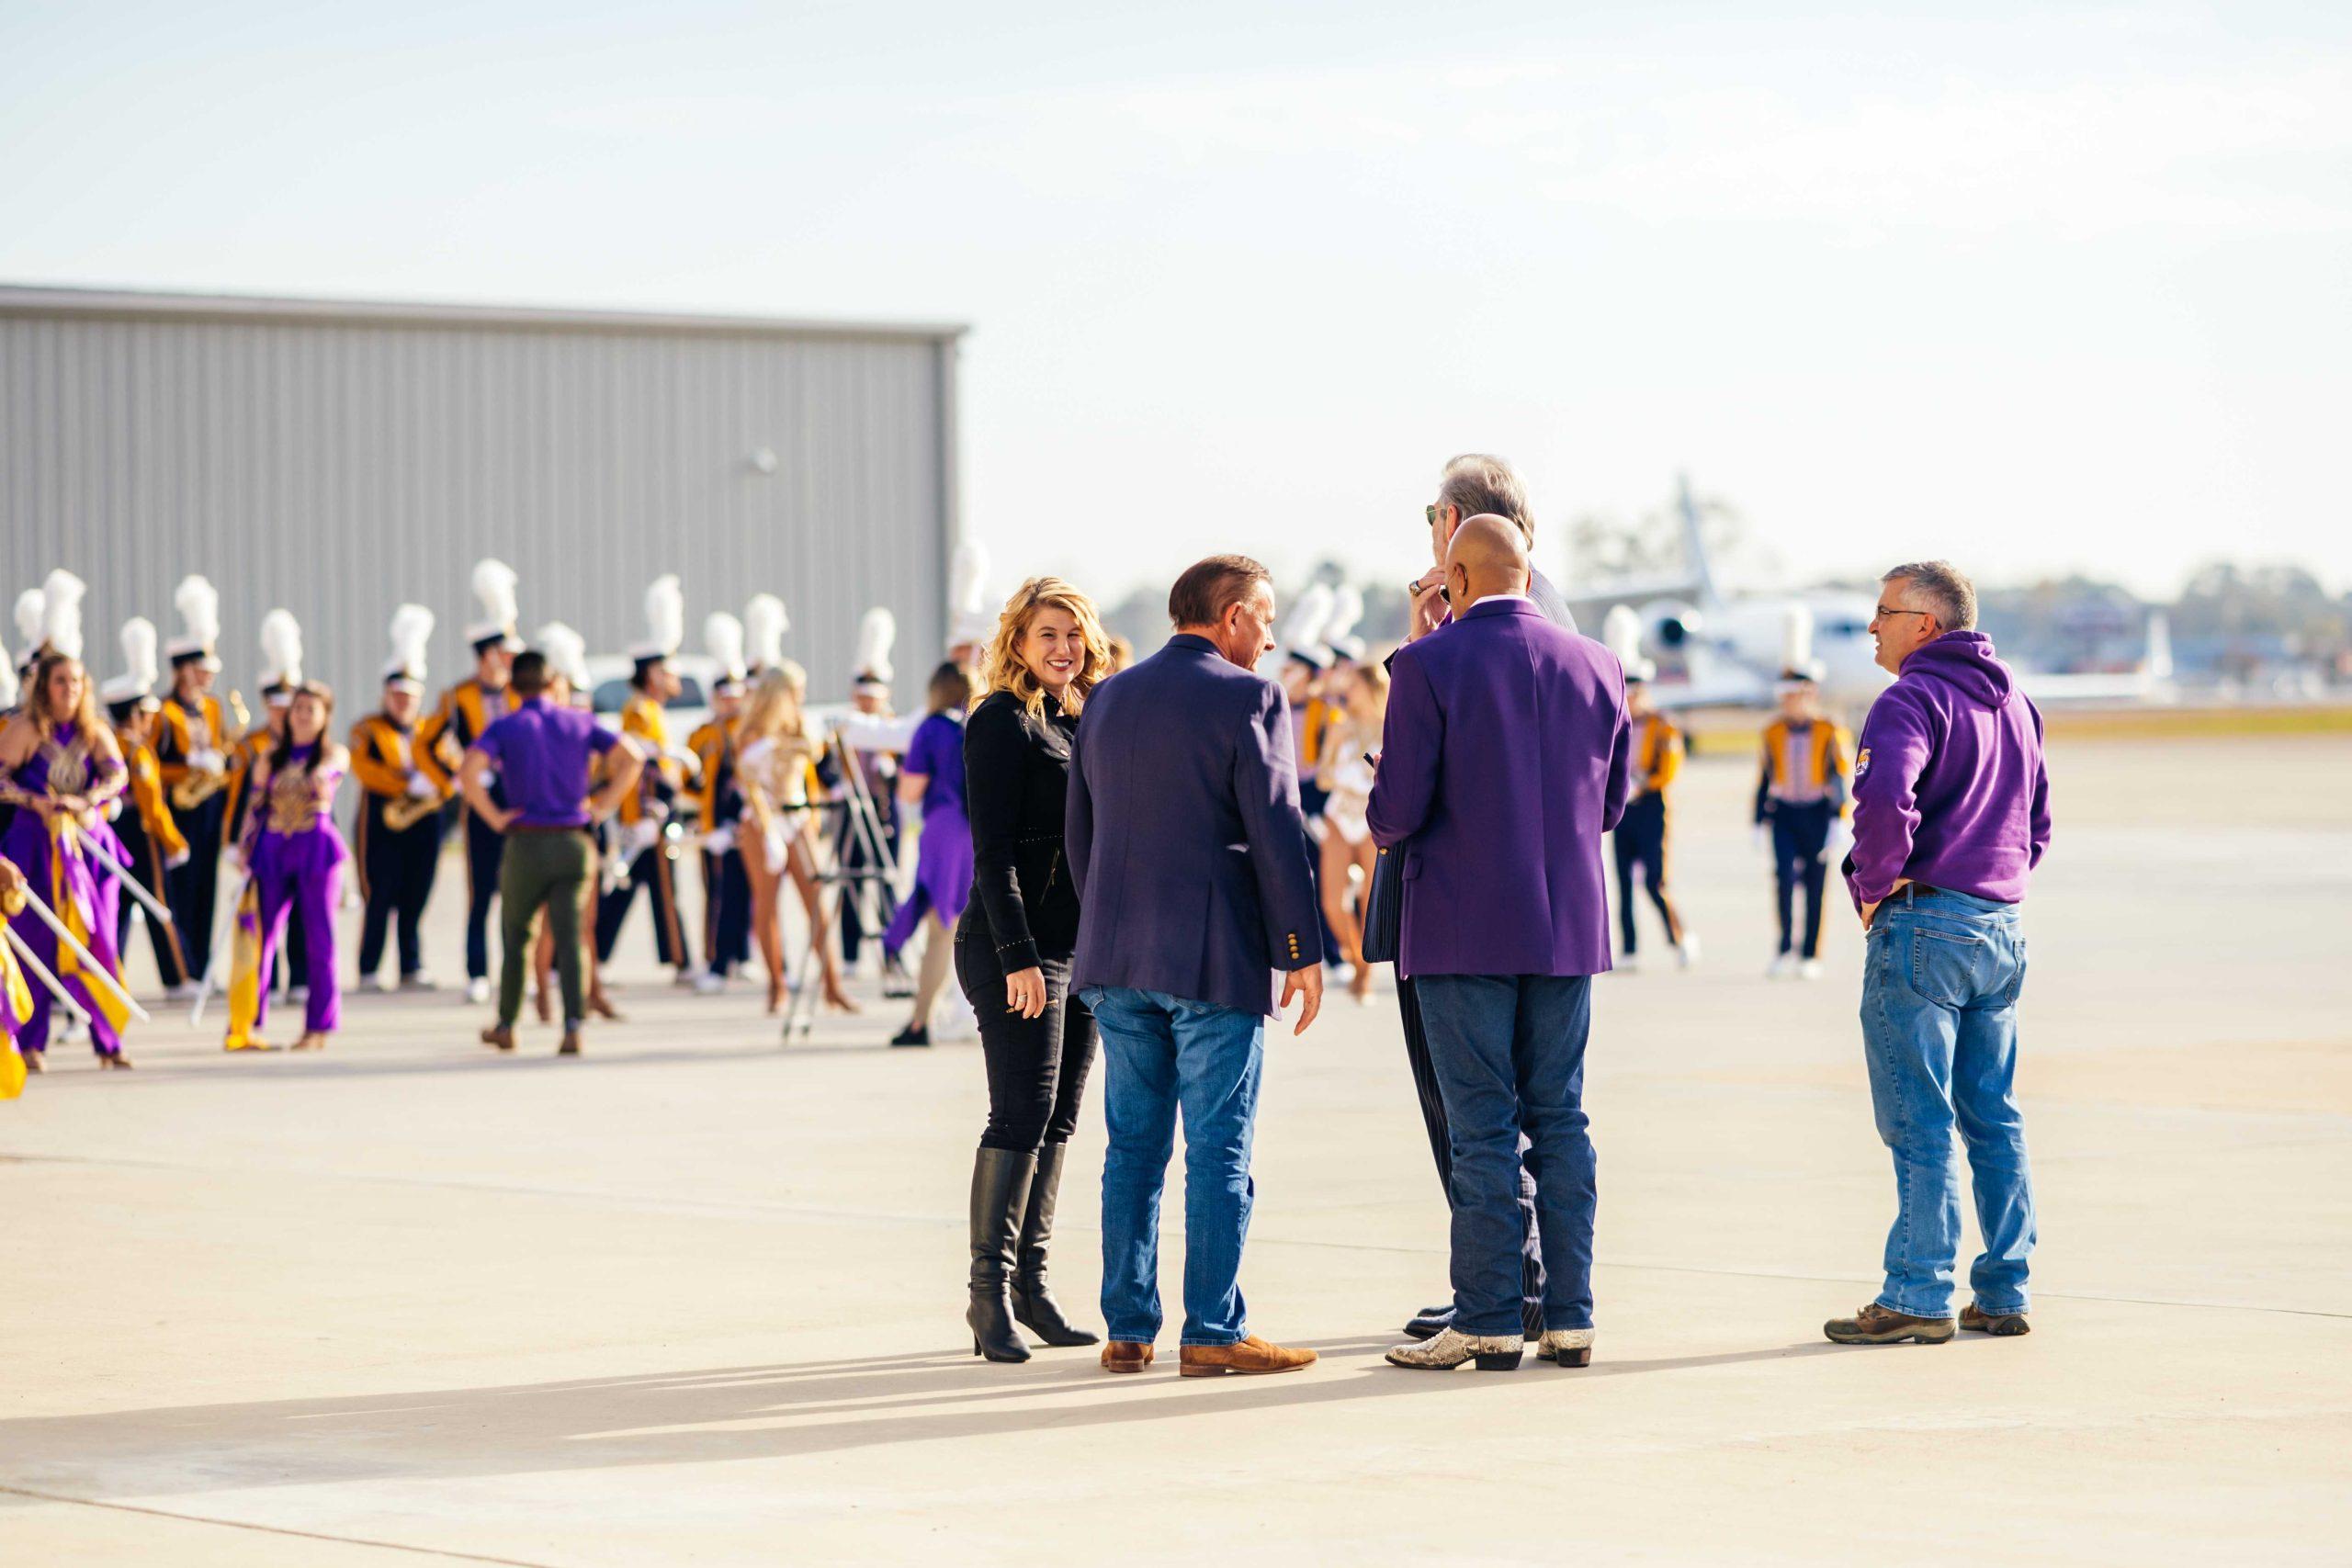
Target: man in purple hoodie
x=1951, y=813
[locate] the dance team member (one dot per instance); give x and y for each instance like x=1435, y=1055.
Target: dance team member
x=60, y=767
x=780, y=782
x=294, y=856
x=931, y=777
x=1345, y=777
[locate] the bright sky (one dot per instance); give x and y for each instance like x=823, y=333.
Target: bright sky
x=2040, y=287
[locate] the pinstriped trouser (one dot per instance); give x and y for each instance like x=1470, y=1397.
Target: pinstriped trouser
x=1416, y=1055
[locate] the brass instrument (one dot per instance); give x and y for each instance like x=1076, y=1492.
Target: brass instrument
x=197, y=788
x=406, y=812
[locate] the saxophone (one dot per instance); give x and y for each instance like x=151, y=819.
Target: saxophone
x=406, y=812
x=197, y=788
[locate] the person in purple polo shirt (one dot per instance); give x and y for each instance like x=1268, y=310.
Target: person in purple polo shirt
x=1952, y=814
x=1505, y=755
x=544, y=756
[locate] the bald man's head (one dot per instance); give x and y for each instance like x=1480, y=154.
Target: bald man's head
x=1489, y=555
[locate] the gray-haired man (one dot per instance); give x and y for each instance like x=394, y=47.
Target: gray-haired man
x=1952, y=814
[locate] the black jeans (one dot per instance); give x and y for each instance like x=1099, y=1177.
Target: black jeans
x=1036, y=1067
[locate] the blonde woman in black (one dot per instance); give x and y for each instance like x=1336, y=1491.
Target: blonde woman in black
x=1012, y=952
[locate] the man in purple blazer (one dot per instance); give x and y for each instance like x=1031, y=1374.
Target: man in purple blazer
x=1503, y=761
x=1196, y=885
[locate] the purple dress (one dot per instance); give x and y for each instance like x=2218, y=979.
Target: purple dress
x=71, y=883
x=296, y=856
x=944, y=860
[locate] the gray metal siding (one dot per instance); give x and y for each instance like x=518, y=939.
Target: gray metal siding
x=339, y=467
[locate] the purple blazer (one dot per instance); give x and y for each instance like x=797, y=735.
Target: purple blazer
x=1196, y=875
x=1503, y=761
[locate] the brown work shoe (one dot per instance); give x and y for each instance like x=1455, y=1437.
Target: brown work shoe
x=498, y=1034
x=1875, y=1325
x=1252, y=1355
x=1999, y=1325
x=1125, y=1356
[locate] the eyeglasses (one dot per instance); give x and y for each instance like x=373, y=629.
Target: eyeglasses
x=1883, y=612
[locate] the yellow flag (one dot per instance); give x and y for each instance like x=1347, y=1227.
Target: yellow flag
x=15, y=1011
x=245, y=973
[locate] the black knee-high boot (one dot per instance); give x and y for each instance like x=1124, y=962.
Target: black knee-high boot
x=1033, y=1299
x=1000, y=1183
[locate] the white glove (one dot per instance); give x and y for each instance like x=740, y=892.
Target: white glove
x=719, y=840
x=174, y=862
x=638, y=837
x=420, y=787
x=237, y=859
x=113, y=812
x=205, y=760
x=1841, y=840
x=1764, y=839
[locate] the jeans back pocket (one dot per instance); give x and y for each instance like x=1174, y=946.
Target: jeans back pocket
x=1946, y=967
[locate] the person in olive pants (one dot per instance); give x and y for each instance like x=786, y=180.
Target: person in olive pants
x=544, y=756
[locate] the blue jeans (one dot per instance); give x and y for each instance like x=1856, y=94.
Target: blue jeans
x=1508, y=1052
x=1162, y=1054
x=1939, y=992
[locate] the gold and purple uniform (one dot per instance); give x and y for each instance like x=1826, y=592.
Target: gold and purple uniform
x=1639, y=840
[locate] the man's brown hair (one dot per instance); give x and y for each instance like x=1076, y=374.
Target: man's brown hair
x=1209, y=587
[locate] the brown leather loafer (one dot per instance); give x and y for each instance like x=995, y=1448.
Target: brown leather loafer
x=1875, y=1325
x=1999, y=1325
x=499, y=1036
x=1125, y=1356
x=1252, y=1356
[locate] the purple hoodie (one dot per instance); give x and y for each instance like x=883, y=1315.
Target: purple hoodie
x=1949, y=786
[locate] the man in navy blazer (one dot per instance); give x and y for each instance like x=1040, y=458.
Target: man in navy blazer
x=1196, y=885
x=1503, y=761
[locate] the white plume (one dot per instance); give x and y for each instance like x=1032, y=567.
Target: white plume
x=566, y=651
x=61, y=613
x=281, y=647
x=141, y=667
x=1308, y=617
x=722, y=637
x=28, y=617
x=199, y=604
x=967, y=579
x=665, y=613
x=8, y=693
x=1797, y=638
x=1620, y=632
x=494, y=583
x=1347, y=609
x=411, y=631
x=764, y=623
x=876, y=635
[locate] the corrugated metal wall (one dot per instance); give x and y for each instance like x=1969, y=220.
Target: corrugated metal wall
x=337, y=469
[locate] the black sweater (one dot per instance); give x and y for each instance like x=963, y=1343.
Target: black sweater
x=1016, y=778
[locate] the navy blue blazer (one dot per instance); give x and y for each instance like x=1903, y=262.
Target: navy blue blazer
x=1195, y=874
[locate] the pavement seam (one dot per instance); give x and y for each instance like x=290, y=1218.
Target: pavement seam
x=268, y=1529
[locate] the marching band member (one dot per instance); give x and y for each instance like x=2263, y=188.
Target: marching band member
x=726, y=891
x=646, y=840
x=192, y=744
x=778, y=769
x=1638, y=841
x=29, y=605
x=294, y=857
x=1800, y=797
x=151, y=844
x=399, y=820
x=858, y=857
x=61, y=767
x=465, y=710
x=933, y=778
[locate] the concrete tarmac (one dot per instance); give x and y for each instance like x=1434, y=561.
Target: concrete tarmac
x=695, y=1297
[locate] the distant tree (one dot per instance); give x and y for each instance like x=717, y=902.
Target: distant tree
x=1604, y=545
